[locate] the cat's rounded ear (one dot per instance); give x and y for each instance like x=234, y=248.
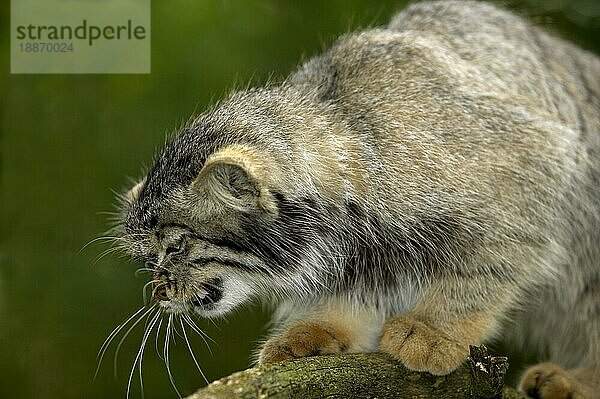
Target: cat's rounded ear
x=133, y=194
x=237, y=177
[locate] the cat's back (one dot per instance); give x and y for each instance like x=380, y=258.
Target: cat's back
x=433, y=51
x=512, y=57
x=460, y=105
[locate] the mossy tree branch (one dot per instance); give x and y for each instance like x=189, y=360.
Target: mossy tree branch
x=373, y=375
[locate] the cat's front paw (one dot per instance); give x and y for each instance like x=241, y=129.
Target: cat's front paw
x=305, y=338
x=421, y=347
x=549, y=381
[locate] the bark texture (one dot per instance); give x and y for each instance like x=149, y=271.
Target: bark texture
x=372, y=375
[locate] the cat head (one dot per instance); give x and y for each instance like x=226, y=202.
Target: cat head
x=213, y=222
x=189, y=225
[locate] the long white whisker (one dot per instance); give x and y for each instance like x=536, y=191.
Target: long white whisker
x=157, y=317
x=109, y=339
x=140, y=354
x=187, y=341
x=176, y=331
x=157, y=338
x=166, y=354
x=198, y=331
x=143, y=270
x=126, y=334
x=195, y=327
x=105, y=253
x=145, y=288
x=102, y=238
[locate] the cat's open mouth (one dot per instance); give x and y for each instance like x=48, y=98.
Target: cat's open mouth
x=206, y=297
x=209, y=294
x=211, y=297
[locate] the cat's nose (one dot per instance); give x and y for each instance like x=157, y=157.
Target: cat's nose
x=160, y=286
x=159, y=291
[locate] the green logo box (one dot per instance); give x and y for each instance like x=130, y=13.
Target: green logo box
x=80, y=36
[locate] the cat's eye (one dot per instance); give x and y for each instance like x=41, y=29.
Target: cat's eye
x=172, y=250
x=176, y=247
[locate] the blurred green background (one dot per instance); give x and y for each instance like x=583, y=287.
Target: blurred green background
x=68, y=141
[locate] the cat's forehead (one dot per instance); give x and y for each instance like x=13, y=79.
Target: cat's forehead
x=182, y=158
x=177, y=165
x=179, y=162
x=141, y=215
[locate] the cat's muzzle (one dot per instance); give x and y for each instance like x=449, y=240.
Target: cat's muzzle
x=206, y=297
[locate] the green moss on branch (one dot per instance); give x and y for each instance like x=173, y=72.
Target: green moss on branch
x=373, y=375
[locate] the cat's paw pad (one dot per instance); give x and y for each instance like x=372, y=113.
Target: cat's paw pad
x=549, y=381
x=304, y=339
x=421, y=347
